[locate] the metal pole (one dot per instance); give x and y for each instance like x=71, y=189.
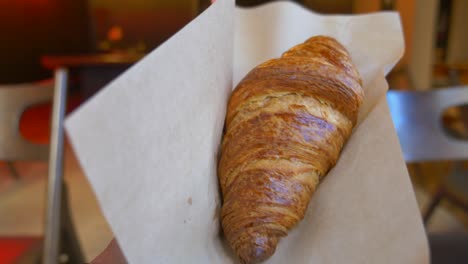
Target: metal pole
x=54, y=185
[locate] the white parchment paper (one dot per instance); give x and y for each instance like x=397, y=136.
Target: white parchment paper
x=148, y=142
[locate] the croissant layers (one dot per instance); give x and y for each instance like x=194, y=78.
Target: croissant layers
x=286, y=124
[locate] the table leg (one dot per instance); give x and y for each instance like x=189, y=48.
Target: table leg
x=55, y=178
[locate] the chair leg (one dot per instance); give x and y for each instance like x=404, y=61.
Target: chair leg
x=432, y=206
x=69, y=247
x=457, y=201
x=69, y=243
x=14, y=173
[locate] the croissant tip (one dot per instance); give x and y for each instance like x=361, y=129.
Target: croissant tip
x=258, y=250
x=258, y=254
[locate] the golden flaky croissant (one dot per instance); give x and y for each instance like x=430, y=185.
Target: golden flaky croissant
x=286, y=124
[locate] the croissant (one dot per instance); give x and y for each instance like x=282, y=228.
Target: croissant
x=286, y=124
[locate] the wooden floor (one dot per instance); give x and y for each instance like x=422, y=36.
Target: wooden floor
x=22, y=205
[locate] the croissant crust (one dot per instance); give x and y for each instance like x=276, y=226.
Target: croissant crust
x=286, y=124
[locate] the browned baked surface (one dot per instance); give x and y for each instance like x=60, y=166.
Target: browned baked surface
x=286, y=124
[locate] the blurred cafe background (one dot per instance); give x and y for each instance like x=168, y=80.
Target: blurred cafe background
x=54, y=54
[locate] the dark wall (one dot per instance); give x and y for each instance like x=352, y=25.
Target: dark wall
x=31, y=28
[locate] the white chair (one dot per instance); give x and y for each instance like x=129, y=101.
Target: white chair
x=417, y=117
x=14, y=100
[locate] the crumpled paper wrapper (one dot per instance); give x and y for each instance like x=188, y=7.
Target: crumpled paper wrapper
x=149, y=141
